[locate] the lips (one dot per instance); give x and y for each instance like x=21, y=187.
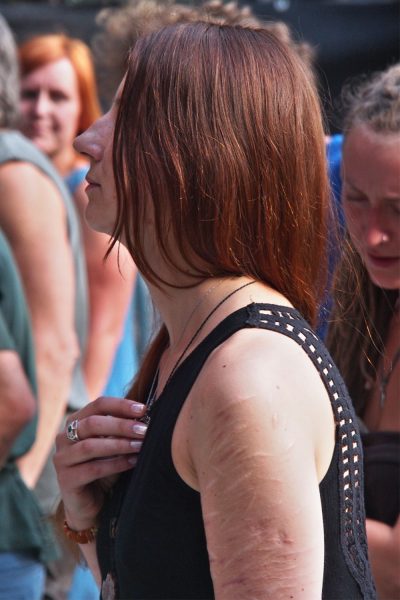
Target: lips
x=91, y=182
x=383, y=261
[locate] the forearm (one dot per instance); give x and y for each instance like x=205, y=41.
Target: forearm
x=88, y=550
x=110, y=295
x=17, y=405
x=54, y=371
x=90, y=554
x=99, y=355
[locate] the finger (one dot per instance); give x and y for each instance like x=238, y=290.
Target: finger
x=95, y=449
x=106, y=405
x=77, y=476
x=100, y=426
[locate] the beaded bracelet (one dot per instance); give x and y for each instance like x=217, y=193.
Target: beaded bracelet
x=85, y=536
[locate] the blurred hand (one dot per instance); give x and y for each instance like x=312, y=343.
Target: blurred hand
x=110, y=437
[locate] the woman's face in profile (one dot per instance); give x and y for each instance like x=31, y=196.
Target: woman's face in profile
x=371, y=201
x=51, y=106
x=96, y=144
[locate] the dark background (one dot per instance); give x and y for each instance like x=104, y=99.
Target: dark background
x=350, y=37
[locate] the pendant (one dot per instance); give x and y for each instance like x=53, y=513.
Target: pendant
x=108, y=588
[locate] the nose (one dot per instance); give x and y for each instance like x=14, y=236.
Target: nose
x=376, y=230
x=41, y=104
x=90, y=143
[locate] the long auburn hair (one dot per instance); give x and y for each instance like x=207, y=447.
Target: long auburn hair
x=219, y=128
x=41, y=50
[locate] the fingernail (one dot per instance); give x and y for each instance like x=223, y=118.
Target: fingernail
x=136, y=444
x=139, y=428
x=132, y=460
x=137, y=408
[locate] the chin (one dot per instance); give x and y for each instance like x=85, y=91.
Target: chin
x=98, y=224
x=386, y=283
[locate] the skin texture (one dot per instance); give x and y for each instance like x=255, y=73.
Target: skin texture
x=51, y=106
x=17, y=406
x=269, y=454
x=371, y=201
x=35, y=222
x=245, y=437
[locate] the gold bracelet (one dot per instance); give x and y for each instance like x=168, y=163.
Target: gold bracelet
x=85, y=536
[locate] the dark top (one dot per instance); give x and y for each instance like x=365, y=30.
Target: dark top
x=151, y=537
x=23, y=528
x=382, y=475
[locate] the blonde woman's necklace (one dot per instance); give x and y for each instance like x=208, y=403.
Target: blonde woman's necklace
x=151, y=398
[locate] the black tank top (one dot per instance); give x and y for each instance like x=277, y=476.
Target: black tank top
x=151, y=538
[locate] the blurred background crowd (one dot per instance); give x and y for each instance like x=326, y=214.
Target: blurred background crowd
x=74, y=325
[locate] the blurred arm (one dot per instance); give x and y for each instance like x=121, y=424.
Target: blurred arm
x=384, y=554
x=33, y=218
x=110, y=291
x=17, y=403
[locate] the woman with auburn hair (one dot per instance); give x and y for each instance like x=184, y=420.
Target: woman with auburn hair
x=364, y=333
x=201, y=169
x=58, y=102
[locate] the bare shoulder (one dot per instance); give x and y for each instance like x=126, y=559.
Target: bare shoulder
x=26, y=191
x=263, y=380
x=256, y=363
x=28, y=181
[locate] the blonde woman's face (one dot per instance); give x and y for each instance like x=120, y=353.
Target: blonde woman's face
x=371, y=201
x=51, y=106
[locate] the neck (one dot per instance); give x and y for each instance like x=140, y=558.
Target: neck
x=182, y=310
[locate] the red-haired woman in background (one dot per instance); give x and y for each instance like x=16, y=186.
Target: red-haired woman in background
x=59, y=101
x=248, y=483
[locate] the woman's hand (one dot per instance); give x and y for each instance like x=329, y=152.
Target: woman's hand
x=110, y=436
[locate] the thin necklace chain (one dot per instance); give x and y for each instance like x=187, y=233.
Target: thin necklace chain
x=197, y=305
x=152, y=393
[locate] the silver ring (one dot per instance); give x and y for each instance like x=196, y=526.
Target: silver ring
x=72, y=431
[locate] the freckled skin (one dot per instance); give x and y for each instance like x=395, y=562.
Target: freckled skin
x=256, y=451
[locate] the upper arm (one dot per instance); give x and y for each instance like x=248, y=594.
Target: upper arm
x=33, y=217
x=253, y=451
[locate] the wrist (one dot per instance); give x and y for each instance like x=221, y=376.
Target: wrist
x=78, y=524
x=80, y=536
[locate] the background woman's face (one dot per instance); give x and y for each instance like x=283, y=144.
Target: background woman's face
x=371, y=201
x=51, y=106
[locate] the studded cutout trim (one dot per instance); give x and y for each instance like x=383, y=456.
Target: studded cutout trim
x=352, y=516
